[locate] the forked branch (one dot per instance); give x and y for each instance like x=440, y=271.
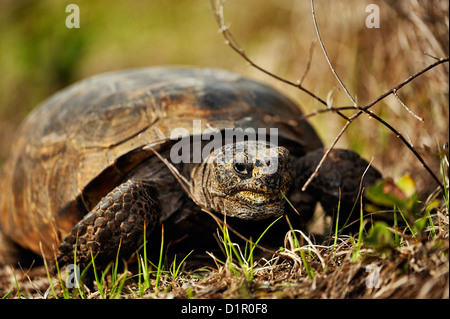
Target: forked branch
x=217, y=8
x=230, y=40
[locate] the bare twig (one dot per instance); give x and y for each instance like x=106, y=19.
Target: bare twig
x=217, y=7
x=382, y=96
x=391, y=91
x=398, y=87
x=406, y=107
x=308, y=62
x=431, y=56
x=327, y=110
x=366, y=110
x=327, y=57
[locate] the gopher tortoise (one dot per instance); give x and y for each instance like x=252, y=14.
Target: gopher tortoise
x=111, y=155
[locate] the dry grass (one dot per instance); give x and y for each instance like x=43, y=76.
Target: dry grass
x=417, y=269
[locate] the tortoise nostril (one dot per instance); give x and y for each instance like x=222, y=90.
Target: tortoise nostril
x=262, y=163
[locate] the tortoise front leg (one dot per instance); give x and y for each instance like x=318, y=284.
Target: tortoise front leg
x=339, y=183
x=118, y=219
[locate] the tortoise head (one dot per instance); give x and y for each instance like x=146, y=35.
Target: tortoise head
x=244, y=180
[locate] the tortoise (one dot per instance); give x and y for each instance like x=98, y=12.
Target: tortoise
x=94, y=166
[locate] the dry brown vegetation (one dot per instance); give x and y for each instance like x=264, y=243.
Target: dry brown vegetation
x=419, y=268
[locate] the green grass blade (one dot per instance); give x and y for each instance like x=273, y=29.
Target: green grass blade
x=64, y=289
x=396, y=236
x=99, y=282
x=177, y=270
x=336, y=235
x=297, y=245
x=360, y=232
x=262, y=235
x=118, y=286
x=413, y=233
x=9, y=292
x=114, y=271
x=159, y=268
x=145, y=270
x=140, y=275
x=48, y=273
x=17, y=286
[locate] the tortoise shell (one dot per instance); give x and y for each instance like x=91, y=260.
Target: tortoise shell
x=80, y=143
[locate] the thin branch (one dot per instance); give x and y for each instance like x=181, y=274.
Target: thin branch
x=325, y=155
x=391, y=91
x=381, y=97
x=398, y=87
x=431, y=56
x=217, y=8
x=327, y=110
x=327, y=57
x=367, y=111
x=308, y=63
x=406, y=107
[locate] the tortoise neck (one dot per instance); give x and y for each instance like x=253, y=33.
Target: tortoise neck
x=200, y=184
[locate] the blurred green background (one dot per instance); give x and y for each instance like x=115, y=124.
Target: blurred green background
x=40, y=55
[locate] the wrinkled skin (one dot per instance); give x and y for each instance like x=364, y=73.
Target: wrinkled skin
x=245, y=180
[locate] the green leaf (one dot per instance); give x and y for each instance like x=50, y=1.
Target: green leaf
x=380, y=237
x=407, y=185
x=401, y=194
x=386, y=193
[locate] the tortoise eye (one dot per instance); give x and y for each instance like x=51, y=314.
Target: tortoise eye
x=240, y=168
